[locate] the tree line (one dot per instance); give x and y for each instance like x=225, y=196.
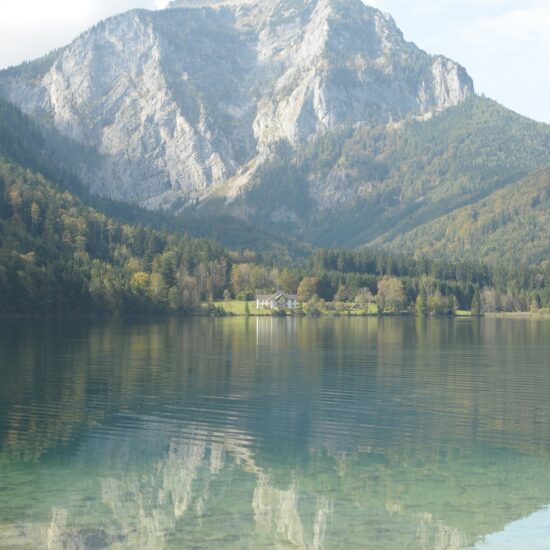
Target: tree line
x=398, y=283
x=57, y=254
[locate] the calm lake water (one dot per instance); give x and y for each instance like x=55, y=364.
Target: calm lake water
x=275, y=433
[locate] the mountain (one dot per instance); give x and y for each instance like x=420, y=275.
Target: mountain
x=386, y=185
x=22, y=143
x=310, y=119
x=176, y=103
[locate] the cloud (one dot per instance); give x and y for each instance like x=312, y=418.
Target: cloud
x=513, y=29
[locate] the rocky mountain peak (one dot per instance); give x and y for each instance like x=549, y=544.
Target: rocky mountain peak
x=212, y=3
x=183, y=103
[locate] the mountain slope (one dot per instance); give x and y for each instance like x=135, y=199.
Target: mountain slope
x=515, y=219
x=368, y=185
x=58, y=254
x=176, y=102
x=23, y=143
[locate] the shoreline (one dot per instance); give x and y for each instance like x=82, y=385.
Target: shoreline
x=145, y=316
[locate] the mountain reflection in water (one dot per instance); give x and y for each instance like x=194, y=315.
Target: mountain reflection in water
x=272, y=433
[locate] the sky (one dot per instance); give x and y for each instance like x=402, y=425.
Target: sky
x=504, y=44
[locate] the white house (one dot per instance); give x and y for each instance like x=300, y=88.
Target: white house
x=279, y=300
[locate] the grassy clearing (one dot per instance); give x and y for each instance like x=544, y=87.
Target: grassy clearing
x=236, y=307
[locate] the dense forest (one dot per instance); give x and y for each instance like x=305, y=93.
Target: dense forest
x=516, y=217
x=59, y=255
x=435, y=285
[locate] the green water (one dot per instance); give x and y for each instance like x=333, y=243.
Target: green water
x=275, y=433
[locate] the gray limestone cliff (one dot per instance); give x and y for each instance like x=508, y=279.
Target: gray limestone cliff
x=187, y=102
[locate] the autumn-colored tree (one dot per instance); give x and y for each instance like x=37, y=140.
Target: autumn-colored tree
x=259, y=278
x=158, y=289
x=439, y=304
x=134, y=265
x=187, y=298
x=35, y=217
x=475, y=307
x=141, y=282
x=241, y=277
x=342, y=295
x=287, y=281
x=308, y=288
x=15, y=201
x=489, y=300
x=391, y=294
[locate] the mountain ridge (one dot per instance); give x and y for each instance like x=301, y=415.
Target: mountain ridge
x=182, y=100
x=313, y=119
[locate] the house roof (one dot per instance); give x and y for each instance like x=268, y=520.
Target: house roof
x=276, y=296
x=280, y=294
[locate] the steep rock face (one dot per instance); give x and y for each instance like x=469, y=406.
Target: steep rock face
x=178, y=102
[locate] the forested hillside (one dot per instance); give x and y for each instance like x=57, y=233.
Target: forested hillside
x=26, y=144
x=366, y=185
x=59, y=255
x=515, y=218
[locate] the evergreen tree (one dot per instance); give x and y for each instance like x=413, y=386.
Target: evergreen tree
x=421, y=304
x=475, y=307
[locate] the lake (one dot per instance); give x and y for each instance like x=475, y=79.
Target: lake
x=252, y=433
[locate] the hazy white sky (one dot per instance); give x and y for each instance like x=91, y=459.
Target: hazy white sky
x=504, y=44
